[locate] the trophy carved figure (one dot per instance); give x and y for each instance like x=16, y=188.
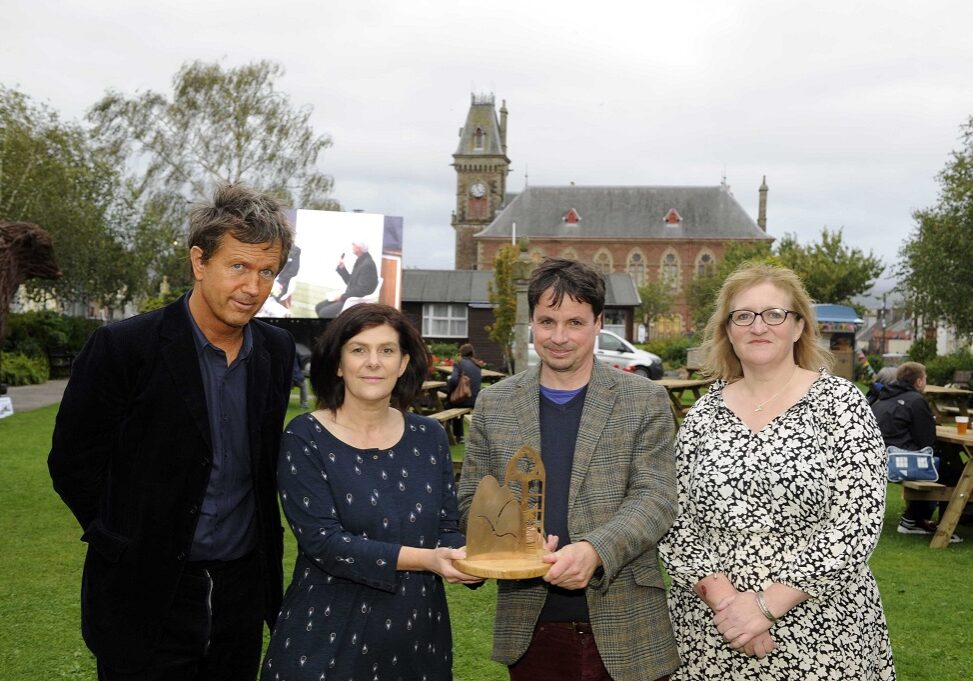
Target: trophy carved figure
x=505, y=529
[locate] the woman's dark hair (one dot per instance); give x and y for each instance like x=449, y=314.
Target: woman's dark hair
x=466, y=350
x=329, y=388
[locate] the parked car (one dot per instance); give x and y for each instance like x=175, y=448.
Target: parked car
x=615, y=350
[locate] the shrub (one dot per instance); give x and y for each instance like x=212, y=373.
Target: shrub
x=940, y=370
x=673, y=349
x=922, y=350
x=444, y=350
x=19, y=369
x=876, y=362
x=38, y=332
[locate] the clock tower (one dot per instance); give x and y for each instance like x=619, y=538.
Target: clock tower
x=481, y=165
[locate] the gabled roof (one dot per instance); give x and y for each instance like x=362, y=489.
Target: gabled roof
x=483, y=116
x=470, y=287
x=626, y=212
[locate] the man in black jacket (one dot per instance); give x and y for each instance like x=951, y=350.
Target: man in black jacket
x=165, y=450
x=906, y=422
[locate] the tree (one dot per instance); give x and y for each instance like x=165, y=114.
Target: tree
x=220, y=125
x=831, y=271
x=52, y=174
x=503, y=296
x=935, y=268
x=657, y=299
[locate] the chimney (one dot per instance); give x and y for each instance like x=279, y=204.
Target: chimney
x=762, y=208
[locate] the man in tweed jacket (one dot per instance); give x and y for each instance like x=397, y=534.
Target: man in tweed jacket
x=606, y=439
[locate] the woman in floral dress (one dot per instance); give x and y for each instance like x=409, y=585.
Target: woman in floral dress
x=782, y=495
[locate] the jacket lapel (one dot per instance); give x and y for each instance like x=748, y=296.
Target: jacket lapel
x=178, y=351
x=598, y=405
x=259, y=389
x=526, y=405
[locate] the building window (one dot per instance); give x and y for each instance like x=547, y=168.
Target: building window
x=603, y=262
x=445, y=320
x=665, y=327
x=478, y=138
x=537, y=255
x=569, y=254
x=705, y=264
x=670, y=271
x=636, y=268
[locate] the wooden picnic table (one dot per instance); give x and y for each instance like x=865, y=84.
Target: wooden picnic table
x=487, y=375
x=957, y=496
x=676, y=387
x=946, y=402
x=431, y=390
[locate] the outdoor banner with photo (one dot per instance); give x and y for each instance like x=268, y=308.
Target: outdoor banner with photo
x=338, y=260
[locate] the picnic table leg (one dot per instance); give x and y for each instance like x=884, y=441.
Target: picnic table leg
x=954, y=510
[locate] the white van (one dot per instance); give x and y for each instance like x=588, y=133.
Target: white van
x=615, y=350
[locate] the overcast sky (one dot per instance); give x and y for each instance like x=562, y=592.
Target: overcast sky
x=849, y=108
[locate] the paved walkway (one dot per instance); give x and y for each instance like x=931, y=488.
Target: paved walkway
x=28, y=397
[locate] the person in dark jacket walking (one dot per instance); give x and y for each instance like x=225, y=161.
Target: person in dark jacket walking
x=906, y=421
x=466, y=365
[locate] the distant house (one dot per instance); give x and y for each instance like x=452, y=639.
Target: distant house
x=453, y=306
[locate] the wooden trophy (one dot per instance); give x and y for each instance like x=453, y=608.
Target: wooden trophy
x=504, y=538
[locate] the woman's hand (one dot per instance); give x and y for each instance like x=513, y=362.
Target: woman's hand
x=760, y=645
x=439, y=561
x=739, y=619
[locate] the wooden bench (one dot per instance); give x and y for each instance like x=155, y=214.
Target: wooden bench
x=925, y=491
x=447, y=415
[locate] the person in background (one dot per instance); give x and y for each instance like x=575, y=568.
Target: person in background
x=297, y=379
x=367, y=489
x=165, y=449
x=466, y=365
x=884, y=376
x=605, y=438
x=906, y=422
x=360, y=282
x=782, y=486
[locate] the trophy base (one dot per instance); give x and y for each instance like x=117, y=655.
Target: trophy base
x=504, y=565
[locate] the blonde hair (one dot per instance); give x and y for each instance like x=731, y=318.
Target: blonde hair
x=720, y=360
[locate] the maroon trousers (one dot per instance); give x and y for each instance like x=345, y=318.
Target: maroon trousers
x=561, y=651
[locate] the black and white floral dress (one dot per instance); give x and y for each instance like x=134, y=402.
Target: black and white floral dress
x=800, y=502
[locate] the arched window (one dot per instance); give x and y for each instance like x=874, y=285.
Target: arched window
x=569, y=253
x=670, y=270
x=636, y=267
x=478, y=138
x=537, y=255
x=603, y=261
x=705, y=264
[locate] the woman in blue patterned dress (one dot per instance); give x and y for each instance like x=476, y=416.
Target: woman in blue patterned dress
x=781, y=473
x=367, y=489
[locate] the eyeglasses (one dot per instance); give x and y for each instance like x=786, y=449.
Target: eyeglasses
x=774, y=316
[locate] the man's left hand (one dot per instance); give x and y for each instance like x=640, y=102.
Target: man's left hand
x=572, y=566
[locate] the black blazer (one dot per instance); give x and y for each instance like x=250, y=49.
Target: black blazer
x=363, y=278
x=131, y=457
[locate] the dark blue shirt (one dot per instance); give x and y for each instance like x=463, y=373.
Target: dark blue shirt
x=559, y=432
x=227, y=527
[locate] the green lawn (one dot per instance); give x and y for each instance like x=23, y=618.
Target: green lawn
x=927, y=594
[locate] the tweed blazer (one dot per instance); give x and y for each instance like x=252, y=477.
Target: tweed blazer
x=622, y=499
x=131, y=456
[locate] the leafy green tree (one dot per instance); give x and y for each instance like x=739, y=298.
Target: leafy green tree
x=935, y=268
x=503, y=296
x=831, y=271
x=657, y=300
x=218, y=125
x=52, y=174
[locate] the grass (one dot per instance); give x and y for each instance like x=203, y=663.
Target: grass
x=926, y=593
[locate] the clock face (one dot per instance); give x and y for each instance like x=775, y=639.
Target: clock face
x=477, y=190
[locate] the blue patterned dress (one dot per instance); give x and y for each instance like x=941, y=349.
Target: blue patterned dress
x=348, y=614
